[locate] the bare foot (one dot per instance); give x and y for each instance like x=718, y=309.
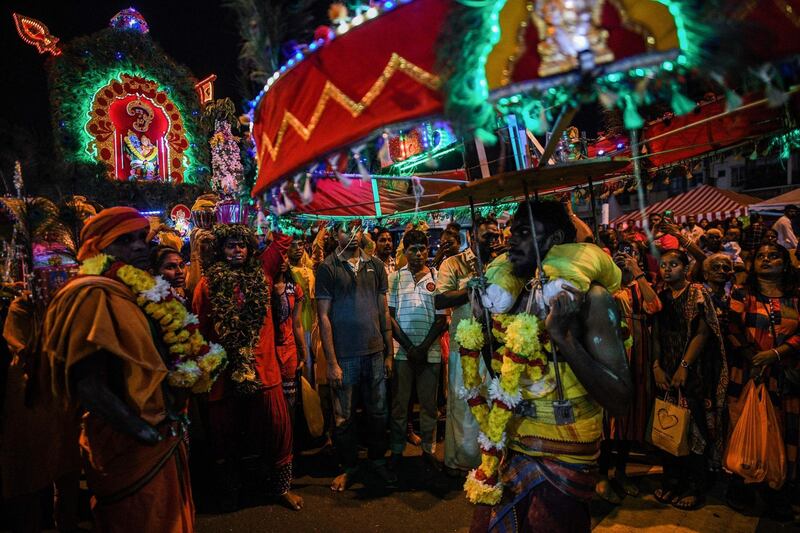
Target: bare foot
x=339, y=483
x=292, y=501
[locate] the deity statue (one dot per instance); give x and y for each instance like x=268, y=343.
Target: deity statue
x=567, y=28
x=141, y=151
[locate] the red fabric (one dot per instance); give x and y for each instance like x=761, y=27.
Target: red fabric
x=105, y=227
x=116, y=462
x=711, y=135
x=334, y=198
x=287, y=352
x=352, y=64
x=255, y=425
x=266, y=358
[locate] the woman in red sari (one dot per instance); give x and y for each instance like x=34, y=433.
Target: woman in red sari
x=290, y=339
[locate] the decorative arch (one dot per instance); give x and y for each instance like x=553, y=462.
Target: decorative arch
x=123, y=112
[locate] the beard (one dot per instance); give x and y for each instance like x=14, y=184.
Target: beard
x=523, y=268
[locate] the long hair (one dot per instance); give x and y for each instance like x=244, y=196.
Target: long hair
x=223, y=232
x=788, y=276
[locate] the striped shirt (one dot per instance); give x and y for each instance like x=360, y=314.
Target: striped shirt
x=414, y=310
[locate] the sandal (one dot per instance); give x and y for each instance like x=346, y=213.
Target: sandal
x=695, y=501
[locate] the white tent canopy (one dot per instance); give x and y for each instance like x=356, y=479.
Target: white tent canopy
x=779, y=202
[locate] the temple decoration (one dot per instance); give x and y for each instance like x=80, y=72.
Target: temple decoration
x=35, y=33
x=129, y=20
x=226, y=161
x=181, y=217
x=568, y=28
x=137, y=130
x=205, y=89
x=119, y=100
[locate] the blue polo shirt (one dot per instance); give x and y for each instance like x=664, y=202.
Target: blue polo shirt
x=357, y=309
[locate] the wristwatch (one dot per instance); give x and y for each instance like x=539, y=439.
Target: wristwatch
x=684, y=364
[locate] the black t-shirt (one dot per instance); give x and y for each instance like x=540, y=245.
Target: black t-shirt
x=356, y=304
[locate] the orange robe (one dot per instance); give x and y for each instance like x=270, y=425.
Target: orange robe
x=40, y=438
x=137, y=487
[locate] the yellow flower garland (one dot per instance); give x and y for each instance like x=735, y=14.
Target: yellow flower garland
x=522, y=353
x=197, y=363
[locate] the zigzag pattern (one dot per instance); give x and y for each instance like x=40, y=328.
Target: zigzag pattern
x=332, y=92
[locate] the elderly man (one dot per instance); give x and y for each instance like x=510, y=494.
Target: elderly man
x=106, y=360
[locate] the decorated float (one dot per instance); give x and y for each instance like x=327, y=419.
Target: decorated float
x=507, y=74
x=516, y=72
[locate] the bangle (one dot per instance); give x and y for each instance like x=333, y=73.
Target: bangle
x=777, y=354
x=639, y=276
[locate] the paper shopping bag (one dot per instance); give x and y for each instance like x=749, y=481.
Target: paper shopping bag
x=670, y=427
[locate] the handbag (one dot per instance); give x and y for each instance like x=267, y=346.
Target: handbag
x=670, y=428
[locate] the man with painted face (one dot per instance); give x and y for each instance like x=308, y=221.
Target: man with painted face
x=108, y=364
x=356, y=333
x=461, y=450
x=249, y=423
x=550, y=461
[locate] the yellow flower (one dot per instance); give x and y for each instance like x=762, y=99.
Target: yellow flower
x=498, y=418
x=510, y=373
x=534, y=373
x=481, y=492
x=469, y=367
x=95, y=265
x=522, y=335
x=489, y=464
x=209, y=362
x=481, y=414
x=469, y=334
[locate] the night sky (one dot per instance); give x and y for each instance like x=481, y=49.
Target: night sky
x=199, y=34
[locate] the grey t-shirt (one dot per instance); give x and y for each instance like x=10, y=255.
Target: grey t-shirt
x=356, y=303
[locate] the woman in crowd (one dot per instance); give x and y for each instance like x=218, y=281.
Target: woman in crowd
x=290, y=339
x=688, y=363
x=765, y=339
x=637, y=303
x=168, y=263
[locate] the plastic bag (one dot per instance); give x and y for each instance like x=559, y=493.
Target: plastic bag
x=776, y=450
x=747, y=449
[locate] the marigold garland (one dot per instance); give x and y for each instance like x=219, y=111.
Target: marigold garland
x=522, y=353
x=195, y=363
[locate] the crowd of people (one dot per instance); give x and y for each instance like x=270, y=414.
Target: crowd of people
x=370, y=322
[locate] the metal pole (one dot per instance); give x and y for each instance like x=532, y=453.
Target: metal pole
x=594, y=211
x=542, y=281
x=487, y=319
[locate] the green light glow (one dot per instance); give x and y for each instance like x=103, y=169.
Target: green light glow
x=680, y=22
x=90, y=62
x=414, y=161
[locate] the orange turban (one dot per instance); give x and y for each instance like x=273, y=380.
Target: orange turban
x=107, y=226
